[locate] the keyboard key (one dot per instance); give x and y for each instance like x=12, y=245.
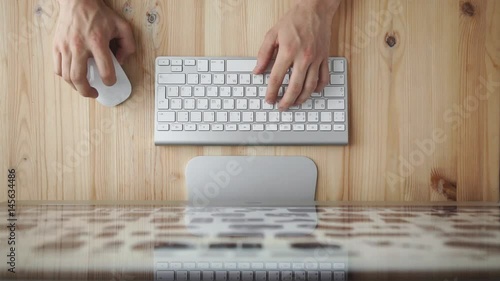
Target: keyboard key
x=267, y=106
x=286, y=116
x=208, y=116
x=298, y=265
x=219, y=79
x=273, y=276
x=212, y=91
x=300, y=276
x=336, y=104
x=172, y=79
x=287, y=275
x=232, y=79
x=176, y=62
x=194, y=276
x=262, y=91
x=190, y=127
x=202, y=104
x=165, y=275
x=312, y=117
x=334, y=92
x=206, y=79
x=320, y=104
x=215, y=104
x=176, y=103
x=220, y=276
x=325, y=275
x=234, y=275
x=172, y=91
x=339, y=265
x=177, y=68
x=241, y=104
x=251, y=91
x=326, y=117
x=221, y=116
x=163, y=62
x=339, y=116
x=204, y=127
x=203, y=265
x=244, y=127
x=300, y=117
x=189, y=104
x=338, y=66
x=225, y=91
x=286, y=80
x=337, y=79
x=237, y=91
x=208, y=276
x=241, y=65
x=247, y=275
x=181, y=276
x=312, y=127
x=298, y=127
x=217, y=65
x=235, y=116
x=163, y=127
x=245, y=79
x=339, y=276
x=228, y=104
x=230, y=265
x=313, y=276
x=258, y=127
x=193, y=79
x=195, y=116
x=218, y=127
x=189, y=62
x=199, y=91
x=260, y=276
x=254, y=104
x=186, y=91
x=203, y=65
x=177, y=127
x=271, y=127
x=247, y=117
x=308, y=104
x=163, y=104
x=316, y=94
x=258, y=79
x=311, y=265
x=339, y=127
x=325, y=127
x=257, y=265
x=285, y=127
x=182, y=116
x=274, y=117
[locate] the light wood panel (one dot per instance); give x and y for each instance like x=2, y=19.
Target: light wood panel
x=431, y=101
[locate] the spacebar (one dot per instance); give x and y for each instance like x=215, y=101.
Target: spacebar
x=240, y=65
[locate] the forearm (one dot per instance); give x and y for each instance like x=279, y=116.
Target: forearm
x=329, y=7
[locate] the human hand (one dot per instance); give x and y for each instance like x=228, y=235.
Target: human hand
x=302, y=40
x=84, y=30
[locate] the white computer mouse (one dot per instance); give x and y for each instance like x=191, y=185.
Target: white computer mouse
x=109, y=95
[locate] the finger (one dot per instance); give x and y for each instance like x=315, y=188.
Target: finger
x=278, y=72
x=79, y=76
x=57, y=62
x=66, y=67
x=295, y=86
x=126, y=42
x=311, y=83
x=324, y=76
x=266, y=52
x=102, y=55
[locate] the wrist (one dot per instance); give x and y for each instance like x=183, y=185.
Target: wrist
x=74, y=3
x=322, y=7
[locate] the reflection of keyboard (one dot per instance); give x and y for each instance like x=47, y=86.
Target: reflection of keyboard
x=258, y=271
x=215, y=101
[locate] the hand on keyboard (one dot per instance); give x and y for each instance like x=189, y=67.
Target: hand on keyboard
x=302, y=37
x=85, y=29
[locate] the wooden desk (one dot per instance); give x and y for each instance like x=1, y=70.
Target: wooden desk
x=418, y=100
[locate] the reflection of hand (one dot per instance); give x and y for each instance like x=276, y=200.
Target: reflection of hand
x=302, y=37
x=84, y=30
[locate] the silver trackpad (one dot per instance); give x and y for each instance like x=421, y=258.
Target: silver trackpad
x=250, y=179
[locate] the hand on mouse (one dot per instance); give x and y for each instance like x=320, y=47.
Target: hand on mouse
x=84, y=30
x=302, y=40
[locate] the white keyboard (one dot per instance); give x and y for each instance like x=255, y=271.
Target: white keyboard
x=218, y=101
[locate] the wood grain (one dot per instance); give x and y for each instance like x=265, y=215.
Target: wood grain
x=424, y=94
